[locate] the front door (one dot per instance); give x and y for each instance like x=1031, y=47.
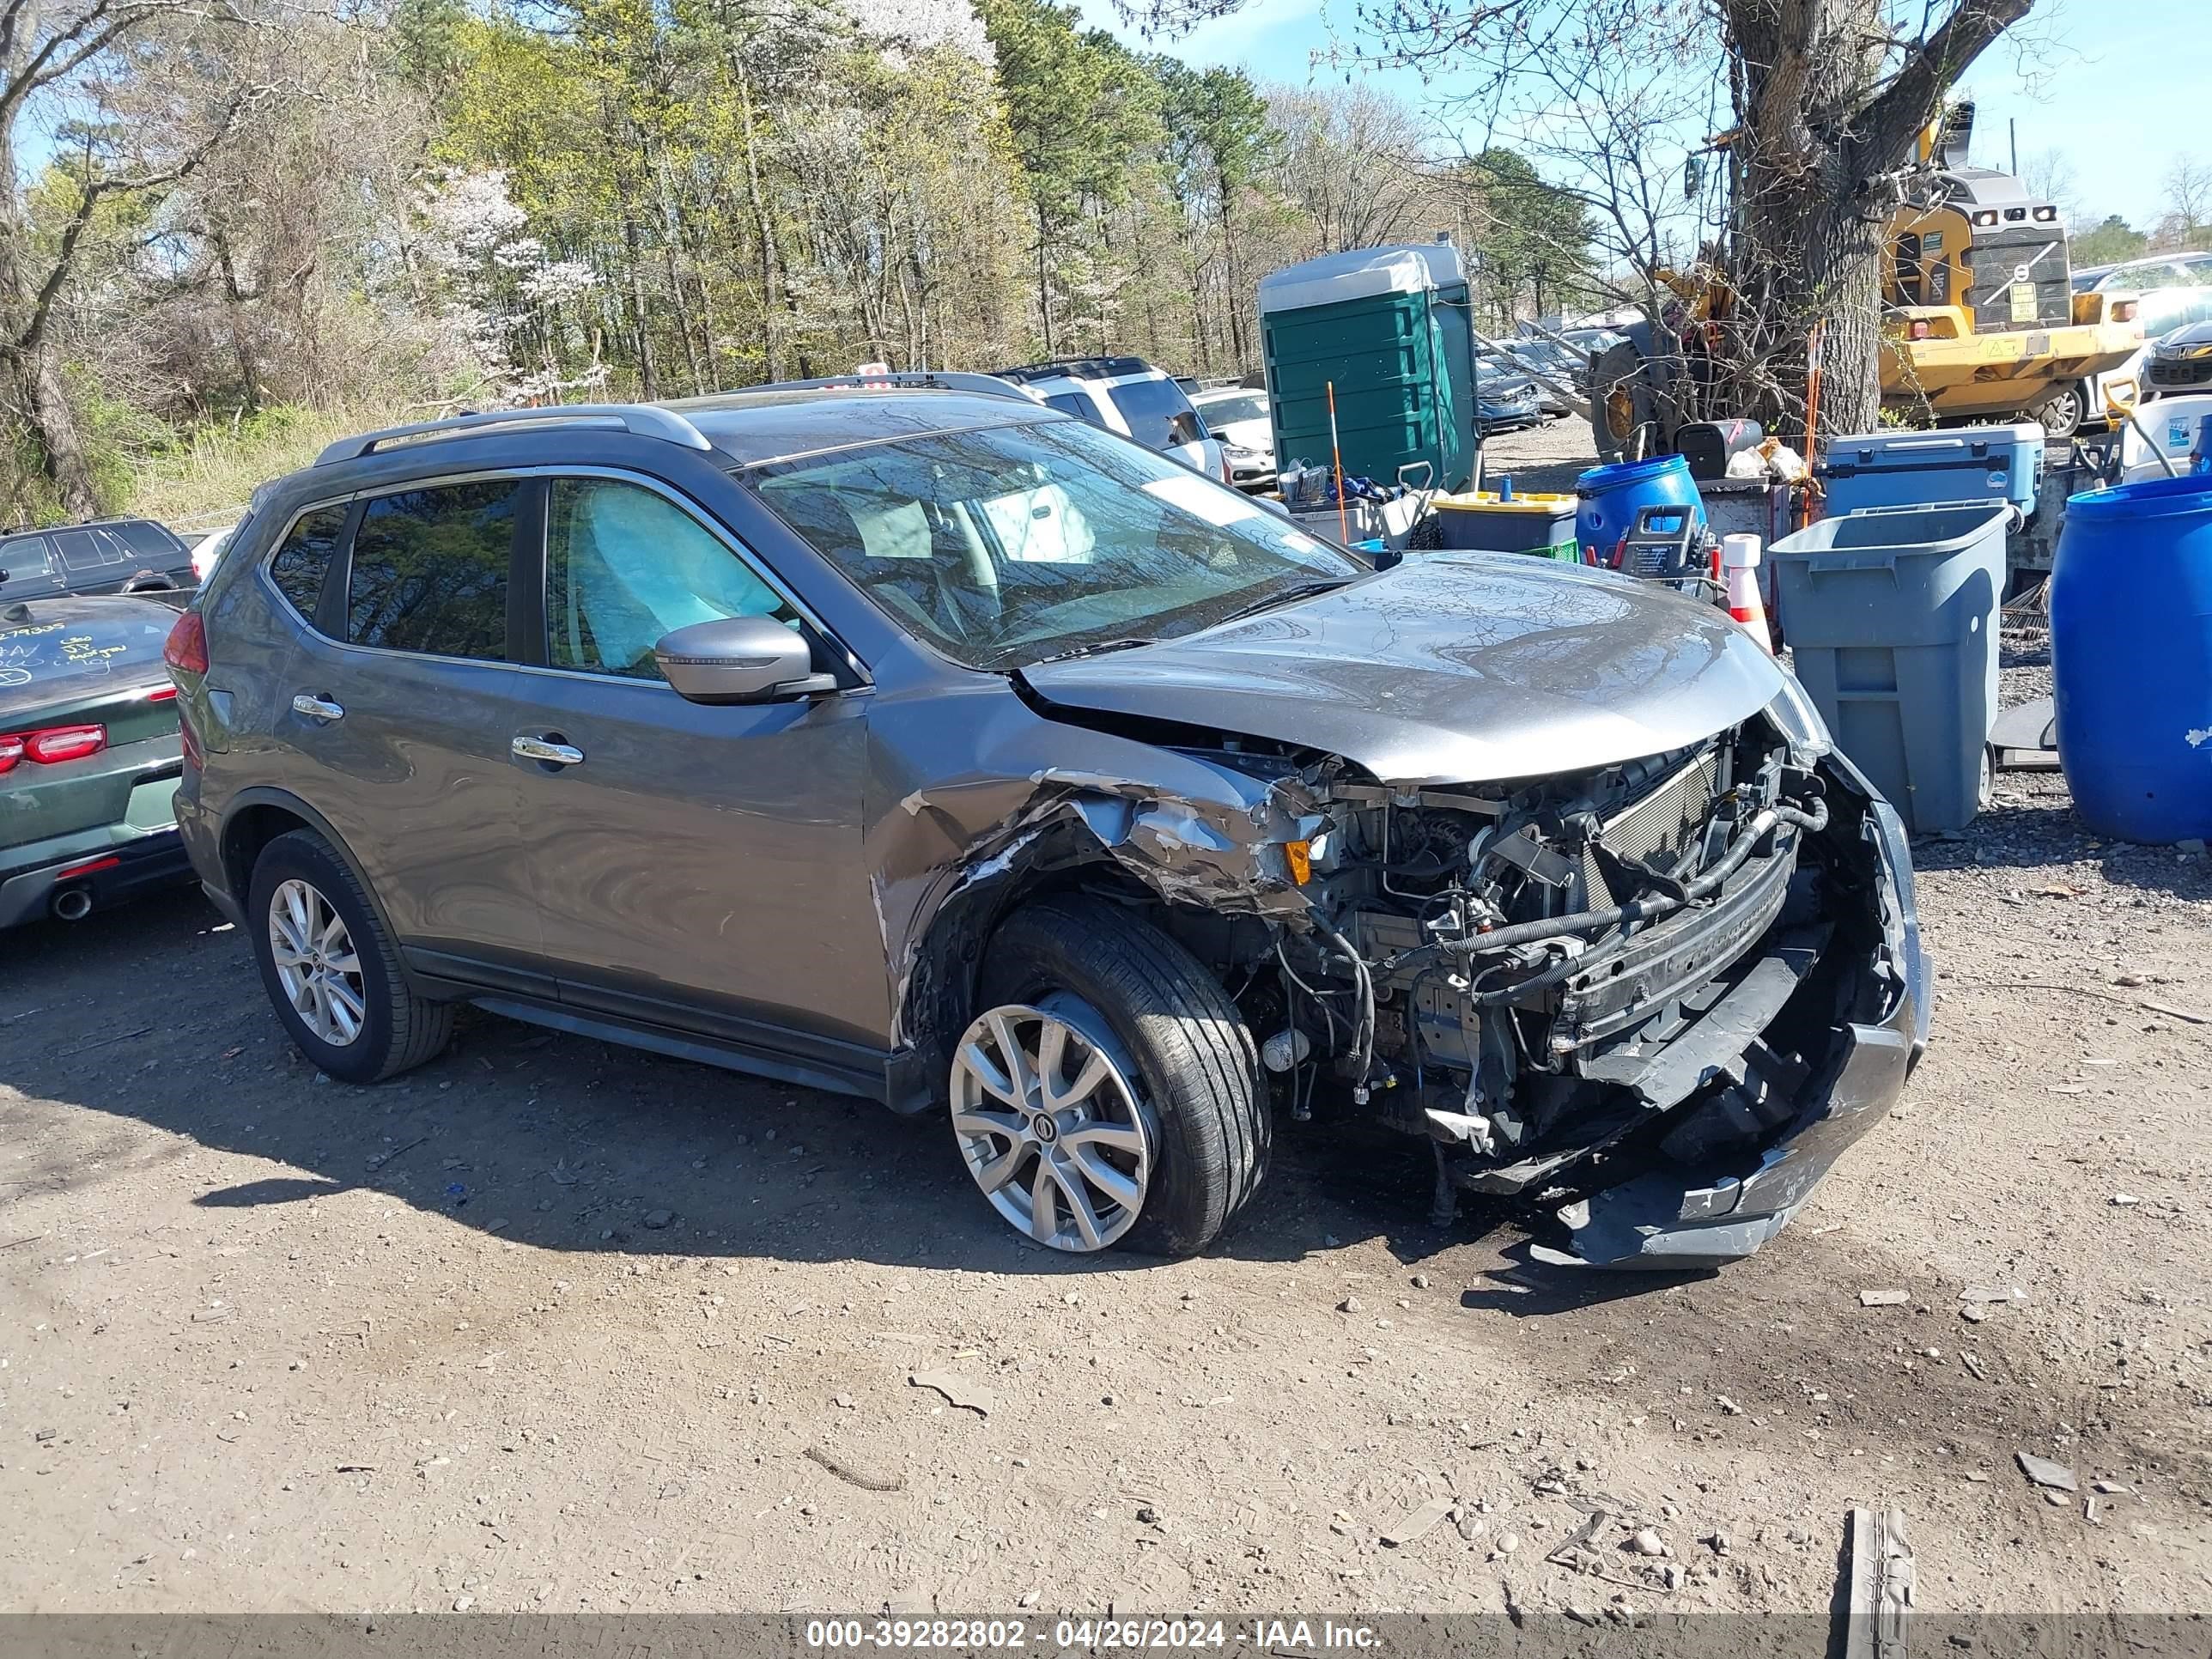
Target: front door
x=696, y=866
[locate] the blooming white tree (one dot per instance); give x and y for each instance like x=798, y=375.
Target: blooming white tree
x=923, y=25
x=505, y=297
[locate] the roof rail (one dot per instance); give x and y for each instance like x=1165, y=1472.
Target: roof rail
x=925, y=380
x=644, y=420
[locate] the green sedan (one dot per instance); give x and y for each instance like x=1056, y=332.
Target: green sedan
x=89, y=755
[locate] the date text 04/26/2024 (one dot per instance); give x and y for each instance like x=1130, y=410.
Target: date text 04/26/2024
x=1089, y=1635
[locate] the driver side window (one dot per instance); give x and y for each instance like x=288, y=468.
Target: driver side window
x=625, y=565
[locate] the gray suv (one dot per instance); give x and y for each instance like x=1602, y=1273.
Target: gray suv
x=936, y=747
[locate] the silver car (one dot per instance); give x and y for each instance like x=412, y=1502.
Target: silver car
x=938, y=748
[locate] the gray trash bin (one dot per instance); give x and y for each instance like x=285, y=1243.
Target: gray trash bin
x=1891, y=618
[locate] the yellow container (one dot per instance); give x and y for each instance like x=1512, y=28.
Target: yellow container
x=1481, y=521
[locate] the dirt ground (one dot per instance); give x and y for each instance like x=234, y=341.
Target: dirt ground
x=549, y=1326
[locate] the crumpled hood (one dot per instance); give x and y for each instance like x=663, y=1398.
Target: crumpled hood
x=1454, y=668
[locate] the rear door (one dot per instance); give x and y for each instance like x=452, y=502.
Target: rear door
x=93, y=562
x=399, y=709
x=697, y=867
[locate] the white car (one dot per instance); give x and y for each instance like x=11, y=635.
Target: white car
x=2170, y=291
x=1237, y=414
x=208, y=548
x=1126, y=395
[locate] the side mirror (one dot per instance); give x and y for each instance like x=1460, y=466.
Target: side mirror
x=739, y=659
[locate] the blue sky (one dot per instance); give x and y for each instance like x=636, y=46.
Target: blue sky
x=2117, y=86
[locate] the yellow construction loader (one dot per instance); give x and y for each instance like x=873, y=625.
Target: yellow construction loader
x=1979, y=319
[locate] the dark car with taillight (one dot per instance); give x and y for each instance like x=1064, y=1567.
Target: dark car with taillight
x=90, y=755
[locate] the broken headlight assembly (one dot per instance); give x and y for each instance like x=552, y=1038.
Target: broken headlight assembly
x=1797, y=720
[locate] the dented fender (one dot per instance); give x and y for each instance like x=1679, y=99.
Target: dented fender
x=1018, y=794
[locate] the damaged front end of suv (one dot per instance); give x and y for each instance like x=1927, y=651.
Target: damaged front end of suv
x=1658, y=997
x=1653, y=998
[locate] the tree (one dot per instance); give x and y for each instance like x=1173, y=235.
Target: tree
x=2049, y=176
x=1533, y=238
x=2108, y=243
x=1218, y=140
x=2187, y=221
x=135, y=138
x=1355, y=162
x=1826, y=97
x=1081, y=108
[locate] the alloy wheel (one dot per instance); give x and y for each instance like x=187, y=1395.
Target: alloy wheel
x=1046, y=1111
x=316, y=963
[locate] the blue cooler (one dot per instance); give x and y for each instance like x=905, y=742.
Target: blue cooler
x=1923, y=469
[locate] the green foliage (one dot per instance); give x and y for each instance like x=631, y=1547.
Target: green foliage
x=2108, y=243
x=204, y=479
x=1534, y=239
x=1219, y=137
x=465, y=203
x=1081, y=107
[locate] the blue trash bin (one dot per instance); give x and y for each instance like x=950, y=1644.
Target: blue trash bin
x=1893, y=622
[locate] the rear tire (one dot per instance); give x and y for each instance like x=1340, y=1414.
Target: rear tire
x=1622, y=404
x=1196, y=1069
x=356, y=983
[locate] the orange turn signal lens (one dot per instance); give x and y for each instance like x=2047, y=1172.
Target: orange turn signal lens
x=1300, y=854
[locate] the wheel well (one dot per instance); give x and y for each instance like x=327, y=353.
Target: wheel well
x=940, y=995
x=250, y=829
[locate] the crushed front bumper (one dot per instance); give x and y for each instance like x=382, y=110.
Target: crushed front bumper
x=1667, y=1219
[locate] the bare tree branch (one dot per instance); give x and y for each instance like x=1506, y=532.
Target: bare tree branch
x=1915, y=95
x=33, y=333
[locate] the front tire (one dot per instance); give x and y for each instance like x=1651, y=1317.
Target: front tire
x=2062, y=414
x=1108, y=1094
x=330, y=970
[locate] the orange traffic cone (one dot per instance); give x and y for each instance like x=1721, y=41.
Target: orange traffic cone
x=1740, y=560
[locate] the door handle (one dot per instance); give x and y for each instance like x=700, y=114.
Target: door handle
x=317, y=708
x=545, y=749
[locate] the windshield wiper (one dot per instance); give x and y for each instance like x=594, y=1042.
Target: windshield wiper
x=1096, y=649
x=1301, y=590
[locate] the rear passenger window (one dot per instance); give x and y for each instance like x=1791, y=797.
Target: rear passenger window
x=86, y=552
x=1150, y=407
x=305, y=558
x=430, y=570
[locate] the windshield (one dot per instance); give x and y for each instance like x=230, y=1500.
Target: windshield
x=1225, y=411
x=1010, y=544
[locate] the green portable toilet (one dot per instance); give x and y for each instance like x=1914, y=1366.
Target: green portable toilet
x=1389, y=326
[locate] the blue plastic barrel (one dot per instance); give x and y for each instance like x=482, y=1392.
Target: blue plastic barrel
x=1609, y=498
x=2132, y=658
